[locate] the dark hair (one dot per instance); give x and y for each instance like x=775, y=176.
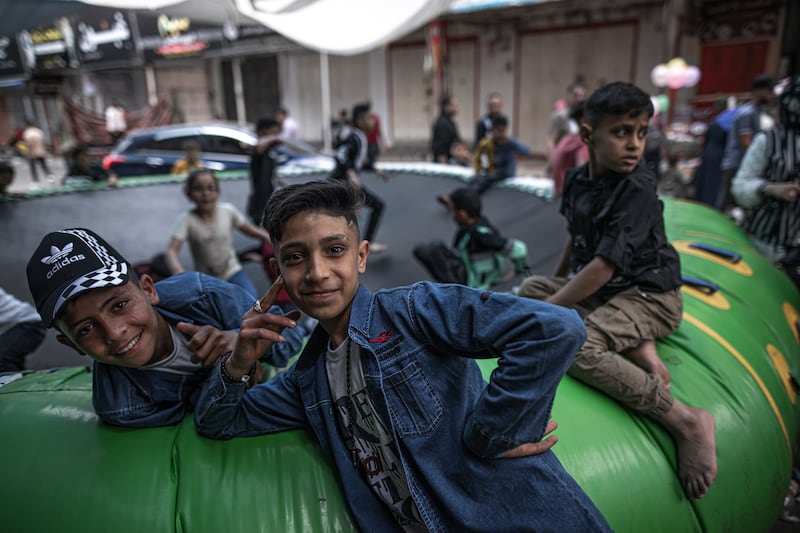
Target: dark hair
x=499, y=120
x=467, y=199
x=616, y=98
x=359, y=110
x=762, y=81
x=6, y=168
x=265, y=123
x=576, y=110
x=194, y=174
x=445, y=101
x=283, y=110
x=159, y=266
x=334, y=198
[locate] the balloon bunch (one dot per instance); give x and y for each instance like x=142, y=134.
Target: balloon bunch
x=675, y=74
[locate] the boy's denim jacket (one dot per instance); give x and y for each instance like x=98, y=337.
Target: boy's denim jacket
x=146, y=398
x=419, y=343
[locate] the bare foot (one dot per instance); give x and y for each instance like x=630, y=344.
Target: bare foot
x=694, y=431
x=646, y=357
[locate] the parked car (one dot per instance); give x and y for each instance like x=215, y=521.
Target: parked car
x=223, y=147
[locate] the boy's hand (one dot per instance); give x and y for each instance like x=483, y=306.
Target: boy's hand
x=207, y=343
x=786, y=191
x=259, y=331
x=534, y=448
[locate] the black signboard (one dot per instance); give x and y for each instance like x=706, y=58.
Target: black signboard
x=167, y=37
x=50, y=47
x=104, y=36
x=10, y=58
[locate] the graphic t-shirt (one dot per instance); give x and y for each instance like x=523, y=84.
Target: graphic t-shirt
x=377, y=452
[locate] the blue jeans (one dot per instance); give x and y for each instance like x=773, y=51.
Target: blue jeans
x=18, y=342
x=241, y=279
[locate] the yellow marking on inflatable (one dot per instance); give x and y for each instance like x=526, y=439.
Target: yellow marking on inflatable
x=712, y=236
x=725, y=344
x=714, y=300
x=793, y=318
x=783, y=370
x=740, y=267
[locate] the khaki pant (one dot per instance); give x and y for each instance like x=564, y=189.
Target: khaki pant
x=615, y=325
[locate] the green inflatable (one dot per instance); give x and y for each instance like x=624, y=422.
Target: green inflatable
x=735, y=355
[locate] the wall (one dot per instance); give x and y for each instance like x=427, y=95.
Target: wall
x=188, y=88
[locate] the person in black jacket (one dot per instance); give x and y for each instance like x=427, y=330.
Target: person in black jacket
x=350, y=158
x=445, y=131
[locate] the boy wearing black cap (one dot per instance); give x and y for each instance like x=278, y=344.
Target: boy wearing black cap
x=152, y=343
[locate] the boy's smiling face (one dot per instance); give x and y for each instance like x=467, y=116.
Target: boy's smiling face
x=116, y=325
x=321, y=257
x=616, y=143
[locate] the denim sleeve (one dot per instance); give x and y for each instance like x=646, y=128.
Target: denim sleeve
x=120, y=399
x=226, y=410
x=534, y=341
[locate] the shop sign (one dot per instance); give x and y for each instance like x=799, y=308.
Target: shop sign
x=50, y=47
x=104, y=36
x=174, y=37
x=10, y=58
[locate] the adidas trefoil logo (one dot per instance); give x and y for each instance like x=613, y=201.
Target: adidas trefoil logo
x=56, y=254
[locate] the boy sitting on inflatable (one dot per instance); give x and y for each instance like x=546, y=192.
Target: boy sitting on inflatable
x=388, y=386
x=621, y=274
x=153, y=343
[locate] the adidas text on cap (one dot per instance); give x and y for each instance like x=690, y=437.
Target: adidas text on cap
x=69, y=262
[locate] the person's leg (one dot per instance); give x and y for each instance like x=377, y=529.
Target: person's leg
x=442, y=263
x=488, y=181
x=376, y=206
x=43, y=163
x=241, y=279
x=34, y=172
x=17, y=343
x=622, y=325
x=540, y=287
x=724, y=199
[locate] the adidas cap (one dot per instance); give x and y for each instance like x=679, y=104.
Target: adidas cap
x=69, y=262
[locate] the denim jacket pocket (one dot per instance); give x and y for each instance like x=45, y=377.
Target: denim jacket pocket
x=413, y=403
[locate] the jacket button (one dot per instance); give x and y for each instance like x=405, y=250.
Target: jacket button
x=484, y=296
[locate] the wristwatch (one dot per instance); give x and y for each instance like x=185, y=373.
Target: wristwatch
x=227, y=377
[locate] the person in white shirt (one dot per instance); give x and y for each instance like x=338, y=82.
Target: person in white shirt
x=116, y=123
x=290, y=129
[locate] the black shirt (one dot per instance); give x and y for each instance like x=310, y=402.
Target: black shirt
x=445, y=133
x=262, y=171
x=621, y=219
x=351, y=154
x=483, y=237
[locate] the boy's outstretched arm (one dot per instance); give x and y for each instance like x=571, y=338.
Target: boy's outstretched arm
x=585, y=283
x=226, y=407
